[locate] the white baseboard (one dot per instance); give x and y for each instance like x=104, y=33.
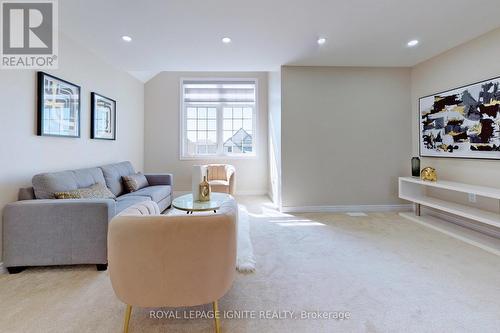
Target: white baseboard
x=3, y=270
x=260, y=193
x=346, y=208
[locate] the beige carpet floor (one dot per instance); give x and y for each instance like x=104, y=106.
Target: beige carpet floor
x=392, y=275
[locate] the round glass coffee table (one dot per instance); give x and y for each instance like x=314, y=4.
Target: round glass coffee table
x=186, y=203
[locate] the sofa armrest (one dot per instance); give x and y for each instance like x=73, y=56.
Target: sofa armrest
x=230, y=172
x=56, y=232
x=160, y=179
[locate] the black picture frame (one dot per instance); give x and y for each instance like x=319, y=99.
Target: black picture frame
x=419, y=122
x=46, y=114
x=96, y=131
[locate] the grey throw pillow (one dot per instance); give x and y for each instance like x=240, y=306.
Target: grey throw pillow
x=135, y=182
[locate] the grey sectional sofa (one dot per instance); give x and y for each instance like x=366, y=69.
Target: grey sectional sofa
x=39, y=230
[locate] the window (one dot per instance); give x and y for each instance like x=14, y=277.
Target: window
x=218, y=118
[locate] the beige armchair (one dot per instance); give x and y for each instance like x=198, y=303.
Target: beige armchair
x=172, y=261
x=221, y=177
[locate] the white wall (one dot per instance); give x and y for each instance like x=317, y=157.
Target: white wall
x=274, y=96
x=468, y=63
x=344, y=135
x=23, y=154
x=162, y=111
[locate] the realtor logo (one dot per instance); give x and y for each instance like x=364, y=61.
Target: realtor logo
x=29, y=34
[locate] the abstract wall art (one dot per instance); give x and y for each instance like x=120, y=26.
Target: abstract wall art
x=103, y=117
x=58, y=107
x=463, y=122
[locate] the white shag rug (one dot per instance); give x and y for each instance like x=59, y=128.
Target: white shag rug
x=245, y=259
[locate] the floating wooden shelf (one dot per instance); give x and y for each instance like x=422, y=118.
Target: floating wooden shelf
x=414, y=190
x=489, y=192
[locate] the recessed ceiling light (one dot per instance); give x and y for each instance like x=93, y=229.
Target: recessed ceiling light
x=127, y=38
x=412, y=43
x=226, y=40
x=321, y=40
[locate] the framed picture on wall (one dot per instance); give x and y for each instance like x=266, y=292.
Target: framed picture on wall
x=58, y=107
x=462, y=122
x=103, y=117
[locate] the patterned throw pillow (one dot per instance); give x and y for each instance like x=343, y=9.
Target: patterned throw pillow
x=135, y=182
x=67, y=195
x=96, y=191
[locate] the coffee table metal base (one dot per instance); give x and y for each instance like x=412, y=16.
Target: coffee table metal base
x=191, y=211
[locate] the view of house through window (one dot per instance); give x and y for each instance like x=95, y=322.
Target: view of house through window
x=218, y=118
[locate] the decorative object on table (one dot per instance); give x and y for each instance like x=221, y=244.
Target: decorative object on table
x=187, y=203
x=135, y=182
x=204, y=190
x=58, y=107
x=415, y=167
x=462, y=122
x=196, y=178
x=428, y=174
x=103, y=117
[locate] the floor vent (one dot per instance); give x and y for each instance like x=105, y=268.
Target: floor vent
x=356, y=214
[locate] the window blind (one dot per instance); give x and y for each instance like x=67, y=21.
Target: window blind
x=219, y=91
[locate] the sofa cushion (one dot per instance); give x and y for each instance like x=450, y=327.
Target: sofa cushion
x=156, y=193
x=218, y=182
x=46, y=184
x=143, y=208
x=219, y=186
x=135, y=182
x=123, y=202
x=113, y=174
x=165, y=203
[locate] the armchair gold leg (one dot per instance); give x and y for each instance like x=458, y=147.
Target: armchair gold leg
x=216, y=317
x=127, y=318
